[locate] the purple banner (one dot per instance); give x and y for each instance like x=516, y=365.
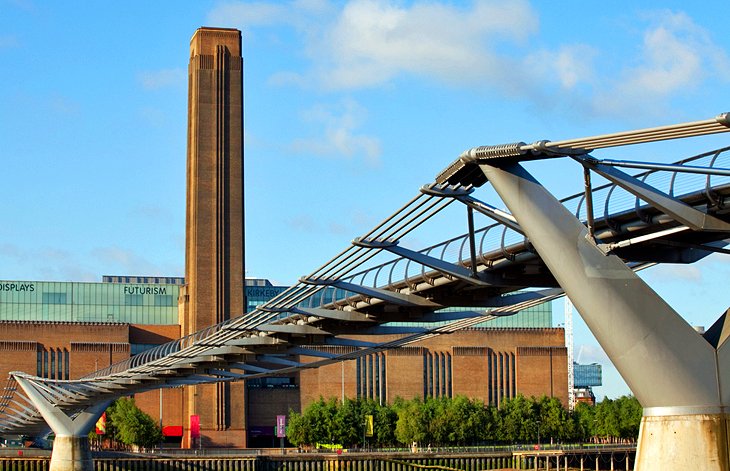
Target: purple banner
x=281, y=426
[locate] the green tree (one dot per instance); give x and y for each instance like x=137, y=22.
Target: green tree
x=554, y=419
x=629, y=417
x=298, y=429
x=518, y=422
x=347, y=423
x=320, y=416
x=385, y=419
x=607, y=419
x=584, y=417
x=411, y=425
x=132, y=426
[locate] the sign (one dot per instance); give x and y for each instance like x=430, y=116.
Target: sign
x=280, y=426
x=368, y=425
x=101, y=425
x=194, y=426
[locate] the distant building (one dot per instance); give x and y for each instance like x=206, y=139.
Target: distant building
x=586, y=378
x=259, y=291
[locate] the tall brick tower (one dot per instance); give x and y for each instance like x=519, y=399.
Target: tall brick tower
x=214, y=254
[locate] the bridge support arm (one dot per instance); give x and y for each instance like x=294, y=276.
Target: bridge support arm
x=671, y=369
x=71, y=446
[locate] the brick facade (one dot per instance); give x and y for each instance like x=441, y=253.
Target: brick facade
x=486, y=364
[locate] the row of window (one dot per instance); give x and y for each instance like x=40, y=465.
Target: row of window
x=88, y=302
x=72, y=313
x=437, y=375
x=370, y=377
x=108, y=294
x=167, y=280
x=53, y=363
x=501, y=376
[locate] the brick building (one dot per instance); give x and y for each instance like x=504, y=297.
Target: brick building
x=64, y=330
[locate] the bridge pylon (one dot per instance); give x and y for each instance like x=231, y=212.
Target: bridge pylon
x=680, y=378
x=71, y=450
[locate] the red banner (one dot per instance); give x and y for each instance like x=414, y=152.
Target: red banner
x=101, y=425
x=194, y=426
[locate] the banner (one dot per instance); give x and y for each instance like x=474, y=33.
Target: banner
x=281, y=426
x=101, y=425
x=368, y=425
x=194, y=426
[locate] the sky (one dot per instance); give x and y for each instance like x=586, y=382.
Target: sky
x=349, y=108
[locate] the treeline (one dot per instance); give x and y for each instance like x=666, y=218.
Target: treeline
x=127, y=427
x=463, y=422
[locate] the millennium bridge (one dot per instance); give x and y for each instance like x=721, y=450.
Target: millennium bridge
x=588, y=246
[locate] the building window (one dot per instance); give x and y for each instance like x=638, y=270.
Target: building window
x=357, y=377
x=133, y=299
x=164, y=300
x=54, y=298
x=59, y=364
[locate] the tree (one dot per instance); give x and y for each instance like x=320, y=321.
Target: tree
x=518, y=422
x=629, y=417
x=554, y=419
x=320, y=416
x=132, y=426
x=607, y=419
x=584, y=417
x=411, y=425
x=347, y=423
x=298, y=429
x=385, y=422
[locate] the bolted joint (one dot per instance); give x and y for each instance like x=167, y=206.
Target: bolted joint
x=373, y=244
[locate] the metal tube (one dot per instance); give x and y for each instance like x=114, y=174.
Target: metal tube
x=472, y=243
x=714, y=125
x=589, y=203
x=668, y=167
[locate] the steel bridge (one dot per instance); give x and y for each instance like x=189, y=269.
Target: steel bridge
x=589, y=245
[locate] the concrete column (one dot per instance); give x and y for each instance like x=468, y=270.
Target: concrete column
x=71, y=446
x=673, y=371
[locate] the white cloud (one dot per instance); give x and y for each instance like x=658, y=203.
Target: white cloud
x=157, y=79
x=487, y=45
x=248, y=15
x=572, y=64
x=44, y=263
x=373, y=42
x=587, y=354
x=340, y=139
x=125, y=261
x=244, y=15
x=303, y=223
x=676, y=57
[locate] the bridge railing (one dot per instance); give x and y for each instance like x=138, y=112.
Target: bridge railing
x=493, y=242
x=497, y=241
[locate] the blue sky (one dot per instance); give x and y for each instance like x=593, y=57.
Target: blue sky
x=350, y=108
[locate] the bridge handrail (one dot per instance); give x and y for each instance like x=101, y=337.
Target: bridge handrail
x=303, y=295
